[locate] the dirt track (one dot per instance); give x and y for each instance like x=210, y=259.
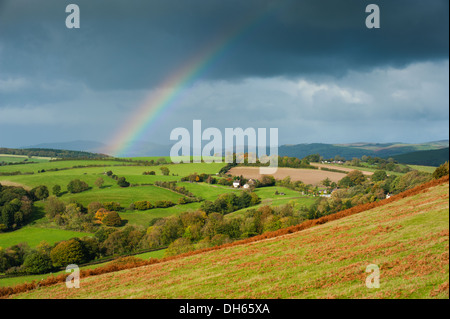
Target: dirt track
x=307, y=176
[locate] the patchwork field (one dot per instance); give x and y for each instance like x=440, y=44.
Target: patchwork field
x=307, y=176
x=407, y=239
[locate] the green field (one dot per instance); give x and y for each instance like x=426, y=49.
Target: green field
x=34, y=235
x=422, y=168
x=407, y=240
x=41, y=229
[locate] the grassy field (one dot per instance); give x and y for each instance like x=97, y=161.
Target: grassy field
x=110, y=191
x=8, y=158
x=422, y=168
x=34, y=235
x=408, y=240
x=124, y=196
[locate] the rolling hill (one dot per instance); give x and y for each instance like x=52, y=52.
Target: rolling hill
x=405, y=236
x=348, y=151
x=429, y=158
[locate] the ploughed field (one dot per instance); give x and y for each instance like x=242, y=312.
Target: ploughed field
x=406, y=238
x=307, y=176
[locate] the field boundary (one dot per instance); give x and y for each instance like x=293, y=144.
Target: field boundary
x=7, y=291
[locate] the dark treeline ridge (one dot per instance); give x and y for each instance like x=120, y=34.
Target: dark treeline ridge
x=44, y=152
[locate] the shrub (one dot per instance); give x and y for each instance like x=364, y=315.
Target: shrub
x=441, y=171
x=164, y=204
x=164, y=170
x=77, y=186
x=112, y=219
x=122, y=182
x=142, y=205
x=112, y=206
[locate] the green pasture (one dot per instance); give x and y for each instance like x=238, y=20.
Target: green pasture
x=34, y=235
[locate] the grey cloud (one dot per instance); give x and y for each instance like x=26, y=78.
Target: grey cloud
x=136, y=44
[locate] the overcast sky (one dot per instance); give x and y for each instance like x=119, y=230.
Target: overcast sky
x=310, y=68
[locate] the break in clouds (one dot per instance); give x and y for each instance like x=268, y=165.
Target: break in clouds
x=310, y=68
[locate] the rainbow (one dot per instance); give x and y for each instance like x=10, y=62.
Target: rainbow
x=158, y=103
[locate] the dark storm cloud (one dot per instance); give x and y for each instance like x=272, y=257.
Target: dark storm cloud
x=136, y=44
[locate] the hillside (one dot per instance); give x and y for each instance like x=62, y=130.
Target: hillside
x=430, y=158
x=406, y=236
x=348, y=151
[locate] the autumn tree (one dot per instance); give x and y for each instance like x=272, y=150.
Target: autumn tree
x=68, y=252
x=112, y=219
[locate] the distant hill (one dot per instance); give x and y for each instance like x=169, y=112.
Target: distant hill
x=348, y=151
x=430, y=158
x=80, y=145
x=53, y=153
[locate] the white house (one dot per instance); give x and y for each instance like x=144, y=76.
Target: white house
x=236, y=184
x=246, y=186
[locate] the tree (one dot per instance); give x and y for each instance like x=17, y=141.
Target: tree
x=326, y=182
x=37, y=263
x=356, y=177
x=442, y=170
x=99, y=182
x=8, y=215
x=93, y=207
x=164, y=170
x=56, y=190
x=267, y=180
x=112, y=219
x=77, y=186
x=68, y=252
x=40, y=192
x=122, y=182
x=53, y=207
x=179, y=246
x=379, y=176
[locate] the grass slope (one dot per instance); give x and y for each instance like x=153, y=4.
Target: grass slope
x=406, y=237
